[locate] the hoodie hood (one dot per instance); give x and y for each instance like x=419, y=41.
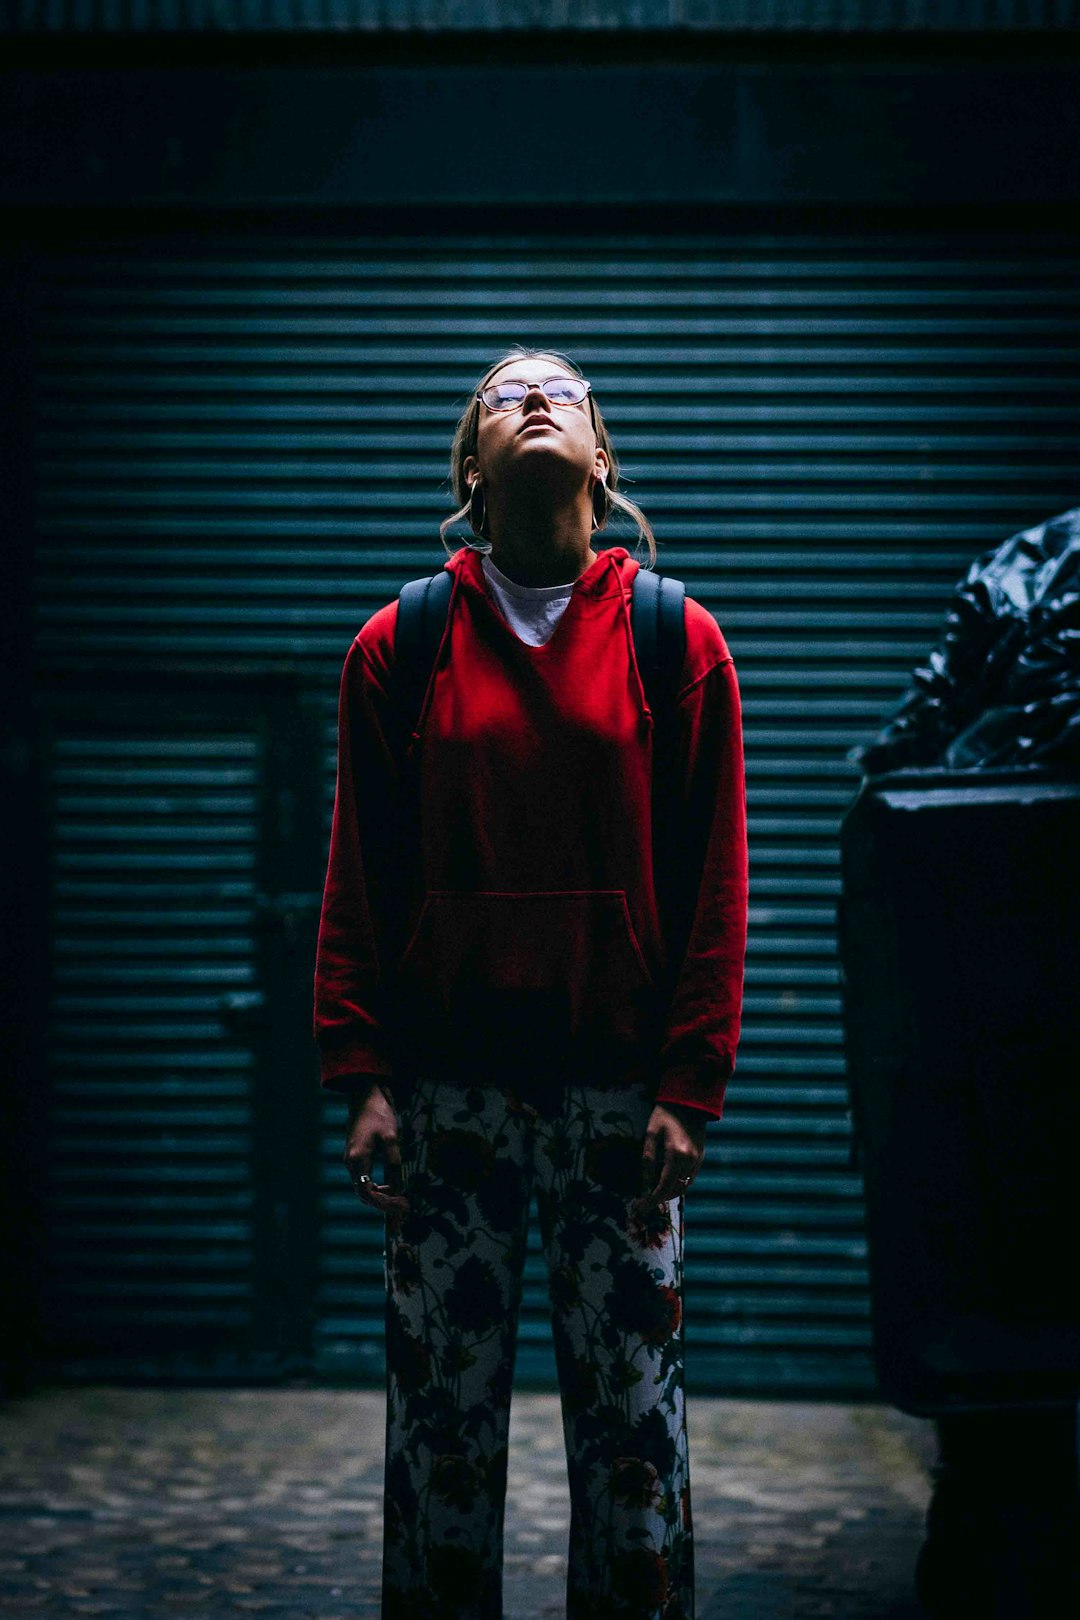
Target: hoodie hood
x=605, y=588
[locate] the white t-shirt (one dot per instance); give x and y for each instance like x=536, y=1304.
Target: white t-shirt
x=533, y=611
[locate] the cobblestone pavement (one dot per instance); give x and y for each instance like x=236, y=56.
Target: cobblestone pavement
x=212, y=1503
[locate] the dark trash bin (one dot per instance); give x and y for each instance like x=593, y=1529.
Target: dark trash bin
x=960, y=949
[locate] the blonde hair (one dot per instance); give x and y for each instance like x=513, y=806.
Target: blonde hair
x=465, y=439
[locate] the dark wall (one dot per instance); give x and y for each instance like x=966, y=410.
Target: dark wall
x=760, y=17
x=675, y=134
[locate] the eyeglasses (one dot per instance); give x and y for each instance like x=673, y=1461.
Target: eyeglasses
x=506, y=396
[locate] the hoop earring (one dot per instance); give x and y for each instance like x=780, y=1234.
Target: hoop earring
x=601, y=509
x=477, y=509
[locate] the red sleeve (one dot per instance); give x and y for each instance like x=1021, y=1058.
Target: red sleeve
x=702, y=1032
x=349, y=1013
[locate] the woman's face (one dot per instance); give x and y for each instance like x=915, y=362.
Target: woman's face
x=536, y=439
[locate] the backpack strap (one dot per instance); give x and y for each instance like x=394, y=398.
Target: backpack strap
x=658, y=622
x=423, y=605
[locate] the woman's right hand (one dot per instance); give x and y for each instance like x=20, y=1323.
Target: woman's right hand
x=371, y=1130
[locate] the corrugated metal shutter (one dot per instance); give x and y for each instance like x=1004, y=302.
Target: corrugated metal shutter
x=242, y=451
x=171, y=1166
x=151, y=1191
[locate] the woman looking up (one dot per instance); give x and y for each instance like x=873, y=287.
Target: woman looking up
x=510, y=1008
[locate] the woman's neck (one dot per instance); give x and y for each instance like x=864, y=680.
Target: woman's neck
x=558, y=573
x=542, y=548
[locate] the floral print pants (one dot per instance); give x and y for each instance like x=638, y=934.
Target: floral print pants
x=471, y=1158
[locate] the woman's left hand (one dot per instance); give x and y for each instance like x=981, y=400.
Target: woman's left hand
x=674, y=1148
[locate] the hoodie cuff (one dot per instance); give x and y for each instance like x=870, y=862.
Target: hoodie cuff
x=352, y=1067
x=689, y=1085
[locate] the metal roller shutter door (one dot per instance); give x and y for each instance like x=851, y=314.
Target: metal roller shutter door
x=178, y=1196
x=151, y=1189
x=241, y=452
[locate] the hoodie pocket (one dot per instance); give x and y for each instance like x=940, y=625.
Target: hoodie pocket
x=545, y=971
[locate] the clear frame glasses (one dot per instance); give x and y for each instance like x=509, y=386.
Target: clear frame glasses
x=507, y=396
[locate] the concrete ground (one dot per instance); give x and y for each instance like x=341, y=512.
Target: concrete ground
x=210, y=1503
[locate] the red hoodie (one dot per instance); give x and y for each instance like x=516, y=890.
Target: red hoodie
x=489, y=904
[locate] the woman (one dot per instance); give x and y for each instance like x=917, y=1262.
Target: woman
x=500, y=1001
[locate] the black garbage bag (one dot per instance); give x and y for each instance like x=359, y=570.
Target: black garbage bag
x=1002, y=687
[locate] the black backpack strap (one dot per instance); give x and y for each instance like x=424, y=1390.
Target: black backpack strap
x=658, y=622
x=423, y=605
